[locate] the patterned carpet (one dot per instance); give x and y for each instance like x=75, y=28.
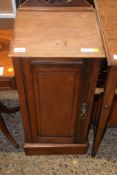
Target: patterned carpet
x=14, y=162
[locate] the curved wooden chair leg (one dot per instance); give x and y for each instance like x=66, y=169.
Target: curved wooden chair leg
x=5, y=109
x=7, y=133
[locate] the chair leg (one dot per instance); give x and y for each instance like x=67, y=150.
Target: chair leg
x=5, y=109
x=7, y=133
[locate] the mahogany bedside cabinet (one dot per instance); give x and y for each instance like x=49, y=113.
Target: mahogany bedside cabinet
x=56, y=54
x=107, y=15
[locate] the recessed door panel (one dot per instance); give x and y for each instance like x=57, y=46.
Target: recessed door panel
x=54, y=99
x=55, y=94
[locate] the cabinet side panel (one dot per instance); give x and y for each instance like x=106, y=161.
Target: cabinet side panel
x=22, y=98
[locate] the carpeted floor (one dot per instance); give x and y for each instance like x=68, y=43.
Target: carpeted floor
x=14, y=162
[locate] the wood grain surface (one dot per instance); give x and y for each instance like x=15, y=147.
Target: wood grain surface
x=107, y=14
x=5, y=61
x=55, y=34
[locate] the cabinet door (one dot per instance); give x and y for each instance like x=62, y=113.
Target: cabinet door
x=55, y=92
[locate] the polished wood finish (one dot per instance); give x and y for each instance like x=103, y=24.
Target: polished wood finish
x=56, y=88
x=7, y=79
x=40, y=128
x=107, y=14
x=106, y=11
x=49, y=92
x=44, y=149
x=5, y=61
x=58, y=35
x=56, y=81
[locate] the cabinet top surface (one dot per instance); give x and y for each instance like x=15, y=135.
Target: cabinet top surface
x=56, y=34
x=107, y=13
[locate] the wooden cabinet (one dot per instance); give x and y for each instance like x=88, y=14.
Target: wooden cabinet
x=54, y=88
x=55, y=91
x=56, y=77
x=58, y=97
